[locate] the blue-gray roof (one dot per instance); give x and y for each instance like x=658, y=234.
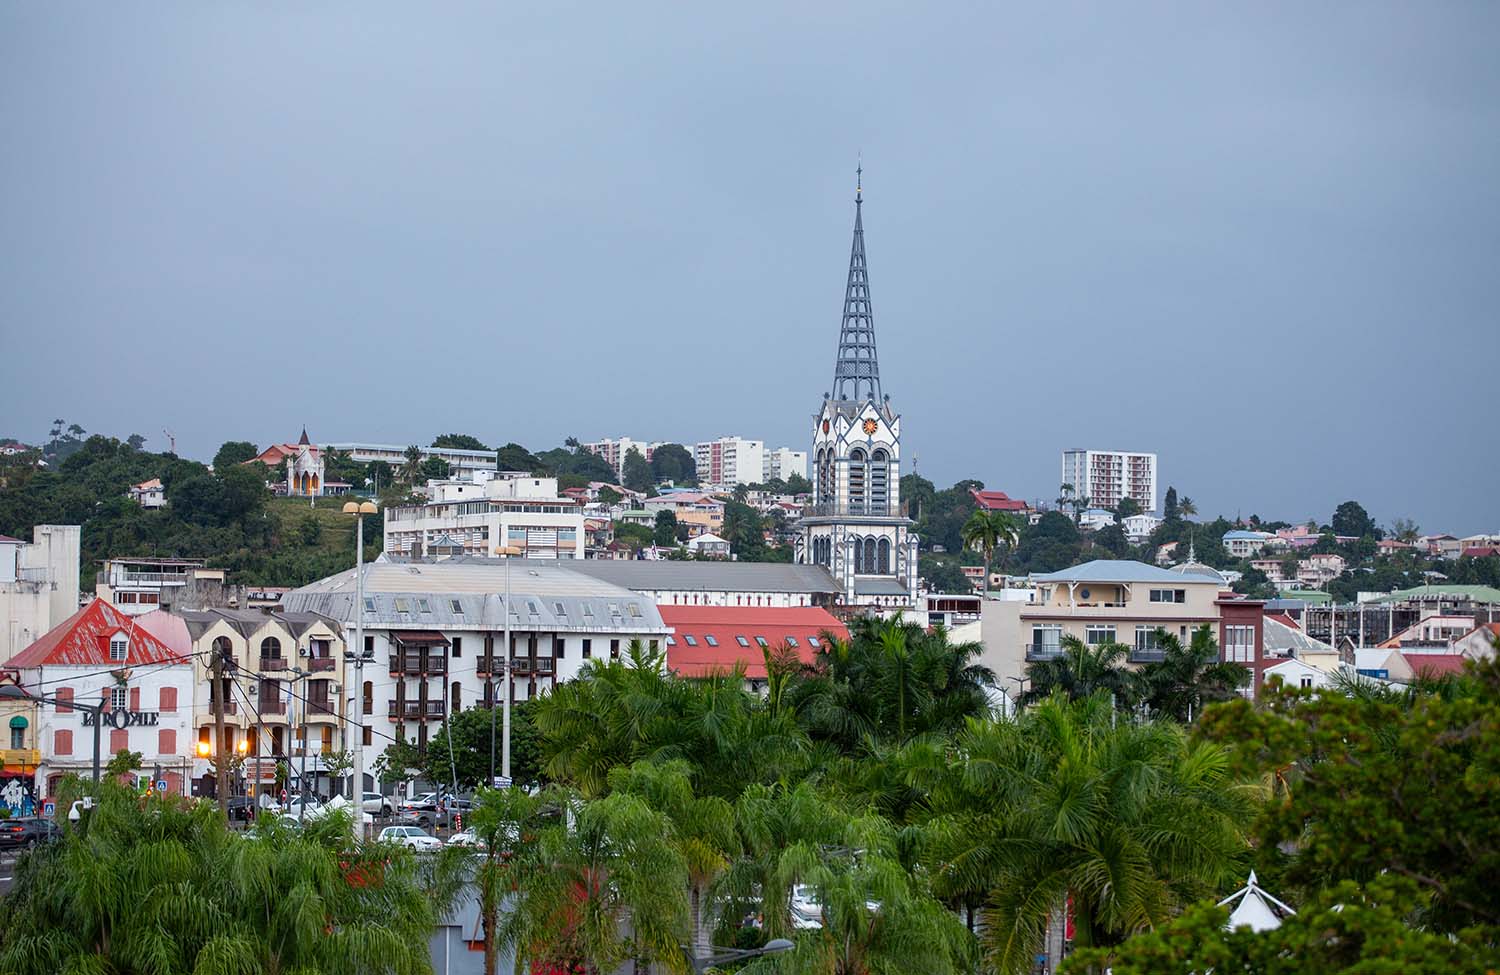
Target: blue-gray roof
x=1118, y=571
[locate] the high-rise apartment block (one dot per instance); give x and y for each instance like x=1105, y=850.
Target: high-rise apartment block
x=1106, y=477
x=728, y=461
x=782, y=462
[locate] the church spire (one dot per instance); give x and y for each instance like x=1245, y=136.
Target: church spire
x=856, y=373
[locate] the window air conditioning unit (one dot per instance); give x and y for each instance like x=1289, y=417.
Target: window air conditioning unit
x=302, y=652
x=334, y=690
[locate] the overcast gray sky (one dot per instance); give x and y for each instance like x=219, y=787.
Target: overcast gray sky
x=1261, y=241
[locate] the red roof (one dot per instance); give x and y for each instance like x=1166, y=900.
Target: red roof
x=1284, y=620
x=1480, y=551
x=793, y=627
x=7, y=538
x=1435, y=664
x=996, y=501
x=82, y=640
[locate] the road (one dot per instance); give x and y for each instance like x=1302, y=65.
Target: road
x=7, y=870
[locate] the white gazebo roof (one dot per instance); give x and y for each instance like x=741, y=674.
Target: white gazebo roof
x=1257, y=910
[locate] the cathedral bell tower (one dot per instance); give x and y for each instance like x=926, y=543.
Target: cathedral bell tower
x=854, y=526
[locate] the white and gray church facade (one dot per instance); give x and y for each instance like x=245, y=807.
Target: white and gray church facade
x=855, y=526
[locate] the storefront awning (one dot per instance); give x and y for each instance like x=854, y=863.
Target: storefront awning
x=18, y=721
x=420, y=637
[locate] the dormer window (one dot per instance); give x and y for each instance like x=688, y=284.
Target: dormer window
x=118, y=647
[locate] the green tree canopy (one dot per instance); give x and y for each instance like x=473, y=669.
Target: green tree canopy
x=459, y=441
x=635, y=473
x=666, y=529
x=234, y=452
x=514, y=457
x=162, y=885
x=673, y=462
x=1351, y=519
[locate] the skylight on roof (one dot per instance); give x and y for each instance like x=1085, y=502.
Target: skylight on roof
x=742, y=641
x=689, y=639
x=761, y=640
x=711, y=640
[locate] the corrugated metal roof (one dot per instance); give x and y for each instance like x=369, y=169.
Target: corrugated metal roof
x=82, y=640
x=459, y=594
x=1283, y=640
x=651, y=576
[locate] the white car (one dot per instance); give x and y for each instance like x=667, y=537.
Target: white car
x=410, y=837
x=467, y=838
x=378, y=805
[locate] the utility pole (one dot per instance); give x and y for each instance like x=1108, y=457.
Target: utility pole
x=220, y=758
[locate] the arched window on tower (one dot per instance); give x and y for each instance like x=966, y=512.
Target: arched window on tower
x=825, y=481
x=858, y=482
x=859, y=554
x=880, y=482
x=885, y=556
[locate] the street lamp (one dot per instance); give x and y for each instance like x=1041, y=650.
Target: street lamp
x=1021, y=683
x=359, y=509
x=506, y=552
x=14, y=692
x=724, y=956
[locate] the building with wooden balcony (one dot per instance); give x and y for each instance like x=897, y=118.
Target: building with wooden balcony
x=435, y=634
x=283, y=687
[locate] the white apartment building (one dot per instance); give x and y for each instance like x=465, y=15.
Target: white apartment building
x=782, y=462
x=614, y=451
x=434, y=635
x=38, y=584
x=1245, y=544
x=1106, y=477
x=729, y=461
x=1138, y=528
x=464, y=518
x=460, y=462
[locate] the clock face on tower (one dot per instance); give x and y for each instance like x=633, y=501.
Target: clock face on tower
x=870, y=427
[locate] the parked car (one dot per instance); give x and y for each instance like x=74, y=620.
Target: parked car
x=441, y=814
x=295, y=806
x=410, y=837
x=28, y=831
x=379, y=805
x=467, y=838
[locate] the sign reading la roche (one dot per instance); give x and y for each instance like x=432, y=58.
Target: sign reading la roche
x=123, y=719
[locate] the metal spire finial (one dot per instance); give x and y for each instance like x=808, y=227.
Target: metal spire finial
x=859, y=178
x=856, y=372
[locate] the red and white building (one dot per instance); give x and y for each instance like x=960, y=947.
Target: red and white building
x=708, y=640
x=999, y=501
x=304, y=466
x=101, y=656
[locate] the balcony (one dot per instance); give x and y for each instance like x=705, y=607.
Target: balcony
x=315, y=708
x=320, y=664
x=274, y=663
x=416, y=663
x=1147, y=655
x=415, y=710
x=270, y=707
x=1043, y=651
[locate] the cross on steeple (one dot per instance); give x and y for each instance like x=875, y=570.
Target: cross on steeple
x=856, y=372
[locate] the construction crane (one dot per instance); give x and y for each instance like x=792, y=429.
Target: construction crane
x=171, y=441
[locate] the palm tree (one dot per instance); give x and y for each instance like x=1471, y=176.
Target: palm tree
x=987, y=530
x=507, y=823
x=702, y=831
x=411, y=470
x=163, y=885
x=1082, y=670
x=608, y=888
x=891, y=680
x=1187, y=678
x=1128, y=820
x=1186, y=506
